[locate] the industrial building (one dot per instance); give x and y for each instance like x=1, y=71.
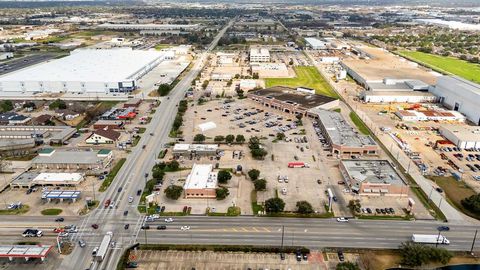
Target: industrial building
x=85, y=71
x=152, y=26
x=74, y=159
x=259, y=55
x=430, y=115
x=47, y=134
x=30, y=179
x=12, y=118
x=396, y=85
x=400, y=96
x=373, y=178
x=201, y=182
x=459, y=95
x=342, y=137
x=291, y=101
x=181, y=149
x=316, y=44
x=464, y=137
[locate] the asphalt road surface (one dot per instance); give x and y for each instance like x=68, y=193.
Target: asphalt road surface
x=130, y=178
x=20, y=63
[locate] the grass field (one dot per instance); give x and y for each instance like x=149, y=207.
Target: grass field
x=359, y=123
x=449, y=65
x=456, y=191
x=307, y=76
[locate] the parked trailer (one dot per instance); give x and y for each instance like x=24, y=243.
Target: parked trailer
x=430, y=239
x=102, y=250
x=298, y=165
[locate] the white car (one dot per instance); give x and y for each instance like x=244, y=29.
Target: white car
x=130, y=199
x=185, y=228
x=169, y=220
x=342, y=219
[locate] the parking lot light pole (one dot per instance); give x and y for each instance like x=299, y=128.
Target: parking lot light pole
x=473, y=242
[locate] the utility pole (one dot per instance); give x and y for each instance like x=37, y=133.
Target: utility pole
x=438, y=237
x=473, y=242
x=283, y=234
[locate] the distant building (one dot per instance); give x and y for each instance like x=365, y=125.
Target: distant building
x=30, y=179
x=459, y=95
x=43, y=119
x=259, y=55
x=108, y=124
x=342, y=137
x=430, y=115
x=12, y=118
x=464, y=137
x=66, y=114
x=103, y=136
x=201, y=182
x=316, y=44
x=270, y=70
x=132, y=103
x=180, y=149
x=373, y=178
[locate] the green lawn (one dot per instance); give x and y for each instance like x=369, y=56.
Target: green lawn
x=359, y=123
x=162, y=46
x=52, y=212
x=108, y=180
x=307, y=76
x=20, y=211
x=449, y=65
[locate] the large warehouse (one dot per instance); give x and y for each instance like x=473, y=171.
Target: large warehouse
x=85, y=71
x=464, y=137
x=459, y=95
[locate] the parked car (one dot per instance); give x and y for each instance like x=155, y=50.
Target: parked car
x=341, y=257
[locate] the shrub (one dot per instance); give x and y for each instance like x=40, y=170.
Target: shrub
x=274, y=205
x=260, y=184
x=224, y=176
x=219, y=138
x=472, y=203
x=199, y=138
x=173, y=192
x=164, y=89
x=240, y=138
x=414, y=254
x=253, y=174
x=230, y=138
x=347, y=266
x=222, y=193
x=304, y=207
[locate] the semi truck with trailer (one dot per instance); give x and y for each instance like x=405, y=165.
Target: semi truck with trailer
x=430, y=239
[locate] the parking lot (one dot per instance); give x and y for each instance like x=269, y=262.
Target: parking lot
x=171, y=260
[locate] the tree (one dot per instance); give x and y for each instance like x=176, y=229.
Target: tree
x=240, y=93
x=255, y=148
x=173, y=192
x=260, y=184
x=57, y=104
x=224, y=176
x=30, y=105
x=280, y=136
x=173, y=165
x=221, y=193
x=6, y=105
x=219, y=138
x=253, y=174
x=347, y=266
x=199, y=138
x=240, y=138
x=304, y=207
x=164, y=89
x=274, y=205
x=255, y=76
x=414, y=254
x=299, y=117
x=158, y=174
x=472, y=203
x=229, y=138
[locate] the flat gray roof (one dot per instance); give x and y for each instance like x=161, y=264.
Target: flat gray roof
x=69, y=157
x=32, y=251
x=60, y=133
x=25, y=178
x=463, y=132
x=372, y=171
x=341, y=132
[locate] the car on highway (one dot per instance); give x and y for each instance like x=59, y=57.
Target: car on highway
x=319, y=181
x=120, y=189
x=82, y=243
x=169, y=220
x=139, y=192
x=95, y=226
x=126, y=226
x=130, y=199
x=32, y=233
x=58, y=230
x=61, y=219
x=342, y=219
x=185, y=228
x=125, y=213
x=161, y=227
x=146, y=227
x=443, y=228
x=94, y=252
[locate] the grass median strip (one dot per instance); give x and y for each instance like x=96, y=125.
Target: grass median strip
x=52, y=212
x=359, y=123
x=24, y=209
x=109, y=179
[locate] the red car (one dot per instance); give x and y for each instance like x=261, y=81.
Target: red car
x=95, y=226
x=58, y=230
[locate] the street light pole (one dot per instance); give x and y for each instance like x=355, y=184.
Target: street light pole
x=438, y=238
x=283, y=234
x=473, y=242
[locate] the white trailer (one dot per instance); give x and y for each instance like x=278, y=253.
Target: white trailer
x=102, y=250
x=430, y=239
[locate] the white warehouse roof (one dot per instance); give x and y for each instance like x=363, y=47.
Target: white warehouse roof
x=201, y=176
x=83, y=65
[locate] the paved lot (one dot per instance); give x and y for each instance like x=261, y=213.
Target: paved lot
x=172, y=260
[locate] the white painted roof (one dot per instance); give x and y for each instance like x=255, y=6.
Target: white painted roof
x=201, y=177
x=59, y=177
x=88, y=65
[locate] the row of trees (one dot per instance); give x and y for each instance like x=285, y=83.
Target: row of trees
x=259, y=184
x=277, y=205
x=164, y=89
x=414, y=254
x=182, y=108
x=230, y=138
x=256, y=149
